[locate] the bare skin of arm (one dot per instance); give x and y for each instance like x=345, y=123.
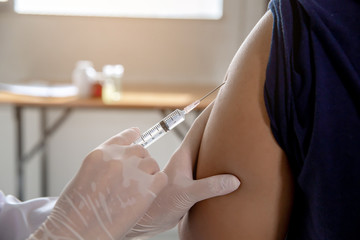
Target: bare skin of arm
x=237, y=139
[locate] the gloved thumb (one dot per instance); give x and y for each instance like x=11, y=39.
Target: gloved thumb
x=213, y=186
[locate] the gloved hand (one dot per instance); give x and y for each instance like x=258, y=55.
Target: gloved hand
x=114, y=187
x=182, y=191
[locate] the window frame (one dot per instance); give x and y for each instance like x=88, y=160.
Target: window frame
x=215, y=12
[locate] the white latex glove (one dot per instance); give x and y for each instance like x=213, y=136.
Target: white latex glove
x=113, y=189
x=182, y=191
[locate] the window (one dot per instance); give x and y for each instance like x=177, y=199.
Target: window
x=185, y=9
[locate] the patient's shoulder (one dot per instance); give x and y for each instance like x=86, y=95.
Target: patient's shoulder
x=238, y=140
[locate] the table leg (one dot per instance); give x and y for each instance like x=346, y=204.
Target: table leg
x=44, y=162
x=22, y=158
x=19, y=152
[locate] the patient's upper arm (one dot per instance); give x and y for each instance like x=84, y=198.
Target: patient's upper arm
x=238, y=140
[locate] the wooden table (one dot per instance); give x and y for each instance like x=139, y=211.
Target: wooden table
x=162, y=98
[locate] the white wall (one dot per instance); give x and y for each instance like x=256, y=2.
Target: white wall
x=158, y=50
x=152, y=50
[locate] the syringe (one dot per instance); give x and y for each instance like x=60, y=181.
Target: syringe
x=168, y=123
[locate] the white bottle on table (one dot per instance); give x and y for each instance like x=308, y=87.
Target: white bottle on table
x=83, y=77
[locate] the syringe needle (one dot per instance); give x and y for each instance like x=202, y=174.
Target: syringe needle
x=211, y=92
x=193, y=105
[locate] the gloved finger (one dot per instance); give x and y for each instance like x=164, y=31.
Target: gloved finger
x=126, y=137
x=118, y=152
x=158, y=184
x=213, y=186
x=136, y=150
x=149, y=165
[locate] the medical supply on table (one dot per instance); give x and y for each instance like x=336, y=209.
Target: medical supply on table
x=96, y=88
x=111, y=90
x=40, y=89
x=168, y=123
x=83, y=77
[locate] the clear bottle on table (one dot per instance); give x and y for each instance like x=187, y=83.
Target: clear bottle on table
x=112, y=75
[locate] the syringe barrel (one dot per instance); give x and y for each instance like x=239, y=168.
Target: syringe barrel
x=151, y=135
x=161, y=128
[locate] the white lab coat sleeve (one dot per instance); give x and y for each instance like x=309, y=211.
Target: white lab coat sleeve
x=19, y=219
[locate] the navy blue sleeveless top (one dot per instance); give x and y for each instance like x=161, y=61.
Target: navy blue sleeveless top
x=312, y=95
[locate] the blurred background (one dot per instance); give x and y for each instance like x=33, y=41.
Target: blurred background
x=169, y=51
